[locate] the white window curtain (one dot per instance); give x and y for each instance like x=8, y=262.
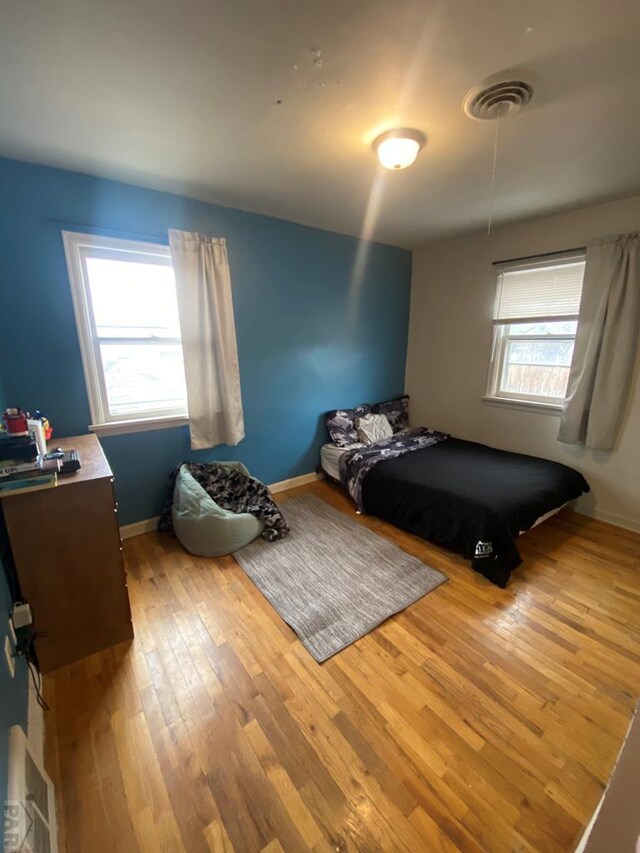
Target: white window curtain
x=207, y=327
x=606, y=344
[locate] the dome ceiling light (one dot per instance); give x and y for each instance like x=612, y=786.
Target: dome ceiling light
x=397, y=149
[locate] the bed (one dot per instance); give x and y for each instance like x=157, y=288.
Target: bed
x=471, y=498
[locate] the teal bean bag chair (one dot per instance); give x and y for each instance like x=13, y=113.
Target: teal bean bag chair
x=204, y=528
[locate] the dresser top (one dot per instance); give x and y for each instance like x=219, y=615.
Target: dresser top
x=92, y=459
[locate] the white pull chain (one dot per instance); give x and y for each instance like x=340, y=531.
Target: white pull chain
x=495, y=168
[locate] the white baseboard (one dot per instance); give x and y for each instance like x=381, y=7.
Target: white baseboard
x=149, y=524
x=138, y=527
x=614, y=518
x=127, y=531
x=302, y=480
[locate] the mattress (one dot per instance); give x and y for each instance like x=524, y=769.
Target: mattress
x=469, y=497
x=330, y=459
x=545, y=517
x=330, y=463
x=457, y=491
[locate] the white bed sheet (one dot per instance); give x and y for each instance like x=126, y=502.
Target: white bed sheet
x=330, y=459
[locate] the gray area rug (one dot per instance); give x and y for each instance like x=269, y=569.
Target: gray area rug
x=333, y=580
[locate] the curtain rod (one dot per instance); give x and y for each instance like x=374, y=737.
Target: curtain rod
x=155, y=238
x=543, y=255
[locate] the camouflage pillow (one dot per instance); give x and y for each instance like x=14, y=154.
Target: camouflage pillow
x=341, y=424
x=397, y=412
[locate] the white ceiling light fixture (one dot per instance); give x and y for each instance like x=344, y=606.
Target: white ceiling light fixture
x=397, y=149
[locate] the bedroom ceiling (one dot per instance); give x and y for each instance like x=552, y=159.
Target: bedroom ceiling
x=272, y=105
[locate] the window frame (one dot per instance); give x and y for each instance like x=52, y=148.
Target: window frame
x=79, y=246
x=502, y=336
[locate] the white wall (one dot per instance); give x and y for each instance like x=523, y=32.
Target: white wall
x=450, y=334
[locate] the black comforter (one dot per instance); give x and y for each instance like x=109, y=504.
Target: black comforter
x=471, y=498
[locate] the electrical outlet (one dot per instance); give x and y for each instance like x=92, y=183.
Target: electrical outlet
x=8, y=653
x=12, y=634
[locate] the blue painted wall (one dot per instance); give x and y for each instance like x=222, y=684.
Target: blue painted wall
x=310, y=337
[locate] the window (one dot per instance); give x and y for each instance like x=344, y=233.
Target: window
x=535, y=323
x=126, y=309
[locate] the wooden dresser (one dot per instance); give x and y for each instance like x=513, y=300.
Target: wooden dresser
x=68, y=555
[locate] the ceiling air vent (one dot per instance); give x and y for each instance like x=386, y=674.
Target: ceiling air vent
x=497, y=98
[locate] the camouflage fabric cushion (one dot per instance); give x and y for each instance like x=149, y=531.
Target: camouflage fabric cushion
x=397, y=412
x=230, y=488
x=341, y=424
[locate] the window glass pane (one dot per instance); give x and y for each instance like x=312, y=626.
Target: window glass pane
x=568, y=327
x=143, y=377
x=538, y=368
x=133, y=299
x=540, y=352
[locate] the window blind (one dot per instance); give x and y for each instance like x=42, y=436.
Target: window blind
x=542, y=291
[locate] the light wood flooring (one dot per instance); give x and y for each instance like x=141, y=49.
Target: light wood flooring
x=477, y=719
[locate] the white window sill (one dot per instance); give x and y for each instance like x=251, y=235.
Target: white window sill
x=142, y=425
x=513, y=403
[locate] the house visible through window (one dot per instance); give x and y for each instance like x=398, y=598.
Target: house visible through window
x=535, y=324
x=127, y=315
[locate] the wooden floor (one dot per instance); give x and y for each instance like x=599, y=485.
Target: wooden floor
x=477, y=719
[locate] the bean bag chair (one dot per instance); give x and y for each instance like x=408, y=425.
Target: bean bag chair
x=204, y=528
